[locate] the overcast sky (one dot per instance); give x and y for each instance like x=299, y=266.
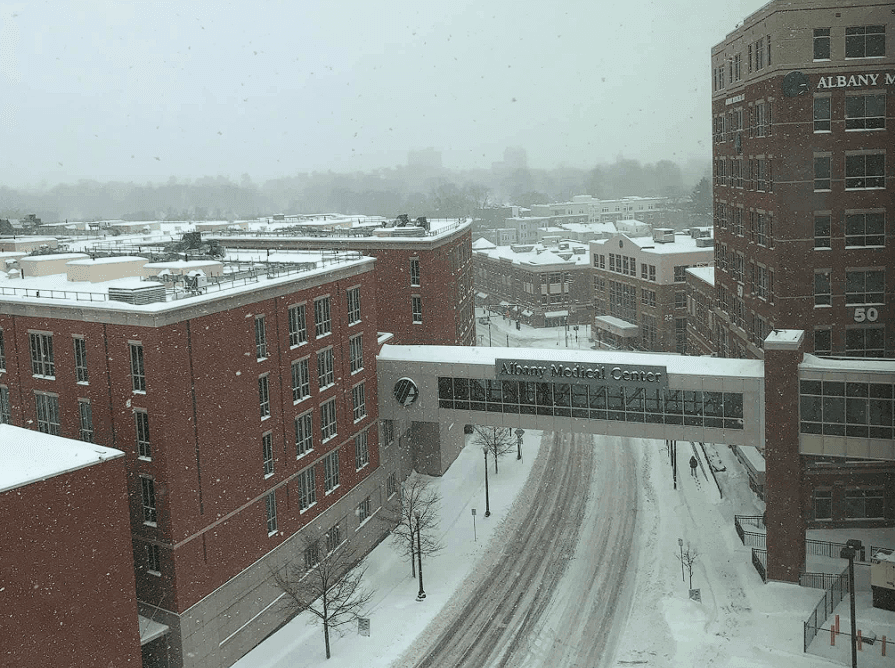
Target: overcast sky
x=145, y=91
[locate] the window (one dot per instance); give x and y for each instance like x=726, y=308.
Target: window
x=147, y=491
x=358, y=400
x=328, y=420
x=414, y=271
x=391, y=485
x=322, y=317
x=762, y=282
x=267, y=454
x=822, y=116
x=364, y=510
x=822, y=294
x=42, y=355
x=325, y=368
x=680, y=335
x=361, y=451
x=260, y=338
x=759, y=54
x=680, y=299
x=823, y=341
x=865, y=229
x=865, y=112
x=301, y=380
x=304, y=440
x=264, y=396
x=2, y=353
x=312, y=554
x=823, y=504
x=864, y=342
x=821, y=44
x=623, y=301
x=307, y=489
x=647, y=297
x=153, y=560
x=5, y=414
x=271, y=503
x=353, y=299
x=865, y=42
x=864, y=287
x=47, y=407
x=85, y=420
x=331, y=471
x=864, y=504
x=80, y=359
x=144, y=449
x=866, y=170
x=822, y=230
x=599, y=261
x=680, y=273
x=822, y=172
x=648, y=332
x=138, y=371
x=356, y=353
x=761, y=231
x=333, y=538
x=416, y=307
x=298, y=329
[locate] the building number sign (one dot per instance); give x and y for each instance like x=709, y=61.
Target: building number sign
x=866, y=314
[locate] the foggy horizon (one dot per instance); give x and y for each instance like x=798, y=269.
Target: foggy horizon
x=143, y=94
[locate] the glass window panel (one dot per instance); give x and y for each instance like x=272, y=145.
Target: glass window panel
x=834, y=389
x=510, y=392
x=579, y=396
x=461, y=389
x=445, y=388
x=834, y=409
x=597, y=397
x=562, y=393
x=856, y=411
x=810, y=408
x=810, y=387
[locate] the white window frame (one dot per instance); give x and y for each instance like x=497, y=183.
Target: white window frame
x=81, y=372
x=301, y=380
x=322, y=317
x=5, y=412
x=264, y=395
x=138, y=366
x=352, y=299
x=416, y=309
x=47, y=410
x=326, y=365
x=267, y=453
x=153, y=559
x=364, y=511
x=307, y=489
x=328, y=420
x=260, y=338
x=356, y=353
x=42, y=358
x=85, y=421
x=414, y=272
x=148, y=500
x=359, y=401
x=331, y=472
x=361, y=450
x=270, y=501
x=141, y=430
x=304, y=434
x=298, y=325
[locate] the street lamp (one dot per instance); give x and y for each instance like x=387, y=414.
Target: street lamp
x=680, y=544
x=419, y=554
x=852, y=547
x=487, y=506
x=519, y=434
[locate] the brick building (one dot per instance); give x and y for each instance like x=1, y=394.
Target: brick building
x=541, y=285
x=639, y=289
x=65, y=561
x=424, y=285
x=700, y=310
x=247, y=412
x=802, y=121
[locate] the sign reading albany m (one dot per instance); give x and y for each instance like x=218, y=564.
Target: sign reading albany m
x=590, y=374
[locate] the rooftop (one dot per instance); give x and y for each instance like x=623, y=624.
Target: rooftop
x=30, y=456
x=570, y=253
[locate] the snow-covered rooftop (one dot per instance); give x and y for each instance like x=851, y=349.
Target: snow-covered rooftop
x=705, y=274
x=539, y=254
x=683, y=243
x=30, y=456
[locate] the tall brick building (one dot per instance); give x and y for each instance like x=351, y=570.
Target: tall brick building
x=802, y=117
x=247, y=409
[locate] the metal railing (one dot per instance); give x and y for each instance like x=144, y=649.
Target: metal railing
x=832, y=596
x=750, y=538
x=823, y=548
x=760, y=562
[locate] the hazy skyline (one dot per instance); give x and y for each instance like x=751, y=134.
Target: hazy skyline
x=140, y=93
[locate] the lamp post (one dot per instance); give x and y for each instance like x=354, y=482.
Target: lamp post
x=487, y=506
x=848, y=552
x=680, y=544
x=519, y=434
x=489, y=331
x=419, y=555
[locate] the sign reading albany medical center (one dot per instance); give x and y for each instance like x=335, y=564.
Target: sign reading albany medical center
x=576, y=372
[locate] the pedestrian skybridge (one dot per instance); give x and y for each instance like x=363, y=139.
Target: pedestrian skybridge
x=439, y=389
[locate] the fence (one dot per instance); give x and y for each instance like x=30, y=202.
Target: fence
x=750, y=538
x=760, y=561
x=822, y=548
x=822, y=611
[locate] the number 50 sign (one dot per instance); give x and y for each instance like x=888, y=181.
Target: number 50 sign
x=866, y=314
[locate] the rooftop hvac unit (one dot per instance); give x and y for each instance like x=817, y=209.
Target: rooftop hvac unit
x=663, y=235
x=705, y=242
x=149, y=294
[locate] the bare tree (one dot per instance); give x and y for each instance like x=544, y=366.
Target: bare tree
x=329, y=588
x=688, y=557
x=498, y=440
x=417, y=496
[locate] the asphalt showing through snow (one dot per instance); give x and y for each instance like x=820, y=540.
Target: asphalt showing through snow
x=547, y=598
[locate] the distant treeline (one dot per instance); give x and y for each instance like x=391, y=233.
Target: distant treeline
x=435, y=193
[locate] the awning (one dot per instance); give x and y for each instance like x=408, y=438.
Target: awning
x=616, y=326
x=556, y=314
x=150, y=630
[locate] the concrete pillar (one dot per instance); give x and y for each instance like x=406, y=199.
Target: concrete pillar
x=785, y=480
x=435, y=446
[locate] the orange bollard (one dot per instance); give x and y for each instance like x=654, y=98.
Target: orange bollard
x=884, y=645
x=859, y=641
x=832, y=636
